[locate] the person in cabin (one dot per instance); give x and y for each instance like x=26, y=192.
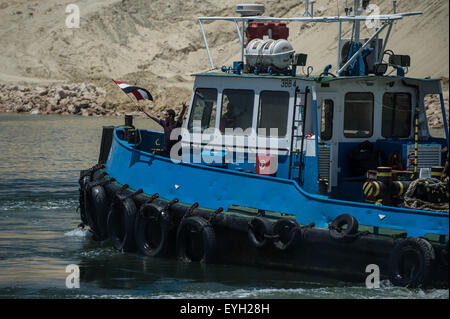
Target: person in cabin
x=228, y=119
x=168, y=124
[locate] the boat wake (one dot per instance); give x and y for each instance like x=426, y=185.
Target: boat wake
x=37, y=204
x=77, y=233
x=346, y=292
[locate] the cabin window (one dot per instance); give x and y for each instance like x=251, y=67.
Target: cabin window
x=326, y=131
x=237, y=111
x=396, y=115
x=273, y=112
x=203, y=109
x=358, y=115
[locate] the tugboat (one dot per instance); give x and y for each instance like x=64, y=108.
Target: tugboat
x=323, y=173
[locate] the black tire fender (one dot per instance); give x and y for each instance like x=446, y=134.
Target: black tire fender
x=260, y=232
x=152, y=230
x=98, y=212
x=121, y=224
x=82, y=198
x=341, y=234
x=444, y=255
x=196, y=240
x=410, y=262
x=287, y=233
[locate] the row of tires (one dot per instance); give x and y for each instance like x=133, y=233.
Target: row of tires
x=411, y=261
x=148, y=228
x=152, y=230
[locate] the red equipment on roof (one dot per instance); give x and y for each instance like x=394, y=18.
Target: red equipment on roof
x=257, y=30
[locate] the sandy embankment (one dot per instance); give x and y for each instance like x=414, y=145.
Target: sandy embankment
x=48, y=68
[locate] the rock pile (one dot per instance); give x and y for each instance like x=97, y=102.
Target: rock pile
x=434, y=111
x=87, y=99
x=82, y=99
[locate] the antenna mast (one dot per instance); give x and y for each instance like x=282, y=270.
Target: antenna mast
x=307, y=11
x=356, y=8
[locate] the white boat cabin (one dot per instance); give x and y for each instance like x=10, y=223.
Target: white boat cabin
x=239, y=121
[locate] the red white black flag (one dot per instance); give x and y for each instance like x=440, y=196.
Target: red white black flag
x=139, y=93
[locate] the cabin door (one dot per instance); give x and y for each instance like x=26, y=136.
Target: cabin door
x=328, y=144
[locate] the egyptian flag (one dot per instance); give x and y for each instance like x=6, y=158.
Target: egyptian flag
x=139, y=93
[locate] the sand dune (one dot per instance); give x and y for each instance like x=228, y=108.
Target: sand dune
x=157, y=44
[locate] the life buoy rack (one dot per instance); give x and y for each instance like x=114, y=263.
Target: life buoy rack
x=260, y=232
x=286, y=233
x=196, y=240
x=121, y=223
x=344, y=228
x=152, y=229
x=410, y=262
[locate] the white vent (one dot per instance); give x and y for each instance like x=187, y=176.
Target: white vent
x=429, y=155
x=324, y=161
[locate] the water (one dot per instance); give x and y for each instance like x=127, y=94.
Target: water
x=40, y=160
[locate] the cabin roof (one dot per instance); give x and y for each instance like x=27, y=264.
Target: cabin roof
x=312, y=78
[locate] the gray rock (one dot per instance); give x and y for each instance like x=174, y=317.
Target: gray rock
x=19, y=108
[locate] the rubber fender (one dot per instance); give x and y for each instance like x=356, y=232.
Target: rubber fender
x=286, y=233
x=410, y=262
x=444, y=255
x=152, y=230
x=82, y=198
x=121, y=224
x=196, y=240
x=260, y=232
x=343, y=228
x=97, y=211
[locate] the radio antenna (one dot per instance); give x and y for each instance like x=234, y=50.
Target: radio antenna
x=307, y=12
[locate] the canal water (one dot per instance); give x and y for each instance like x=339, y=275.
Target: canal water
x=40, y=160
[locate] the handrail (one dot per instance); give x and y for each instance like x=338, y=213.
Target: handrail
x=383, y=17
x=388, y=19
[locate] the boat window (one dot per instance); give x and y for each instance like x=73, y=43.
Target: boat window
x=273, y=112
x=358, y=115
x=237, y=110
x=203, y=108
x=326, y=131
x=396, y=115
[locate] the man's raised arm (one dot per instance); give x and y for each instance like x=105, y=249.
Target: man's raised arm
x=150, y=115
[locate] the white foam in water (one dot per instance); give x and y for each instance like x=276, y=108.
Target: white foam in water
x=77, y=233
x=351, y=292
x=40, y=205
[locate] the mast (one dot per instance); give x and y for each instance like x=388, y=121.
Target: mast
x=357, y=23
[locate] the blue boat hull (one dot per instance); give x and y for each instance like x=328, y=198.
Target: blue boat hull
x=215, y=187
x=163, y=208
x=314, y=253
